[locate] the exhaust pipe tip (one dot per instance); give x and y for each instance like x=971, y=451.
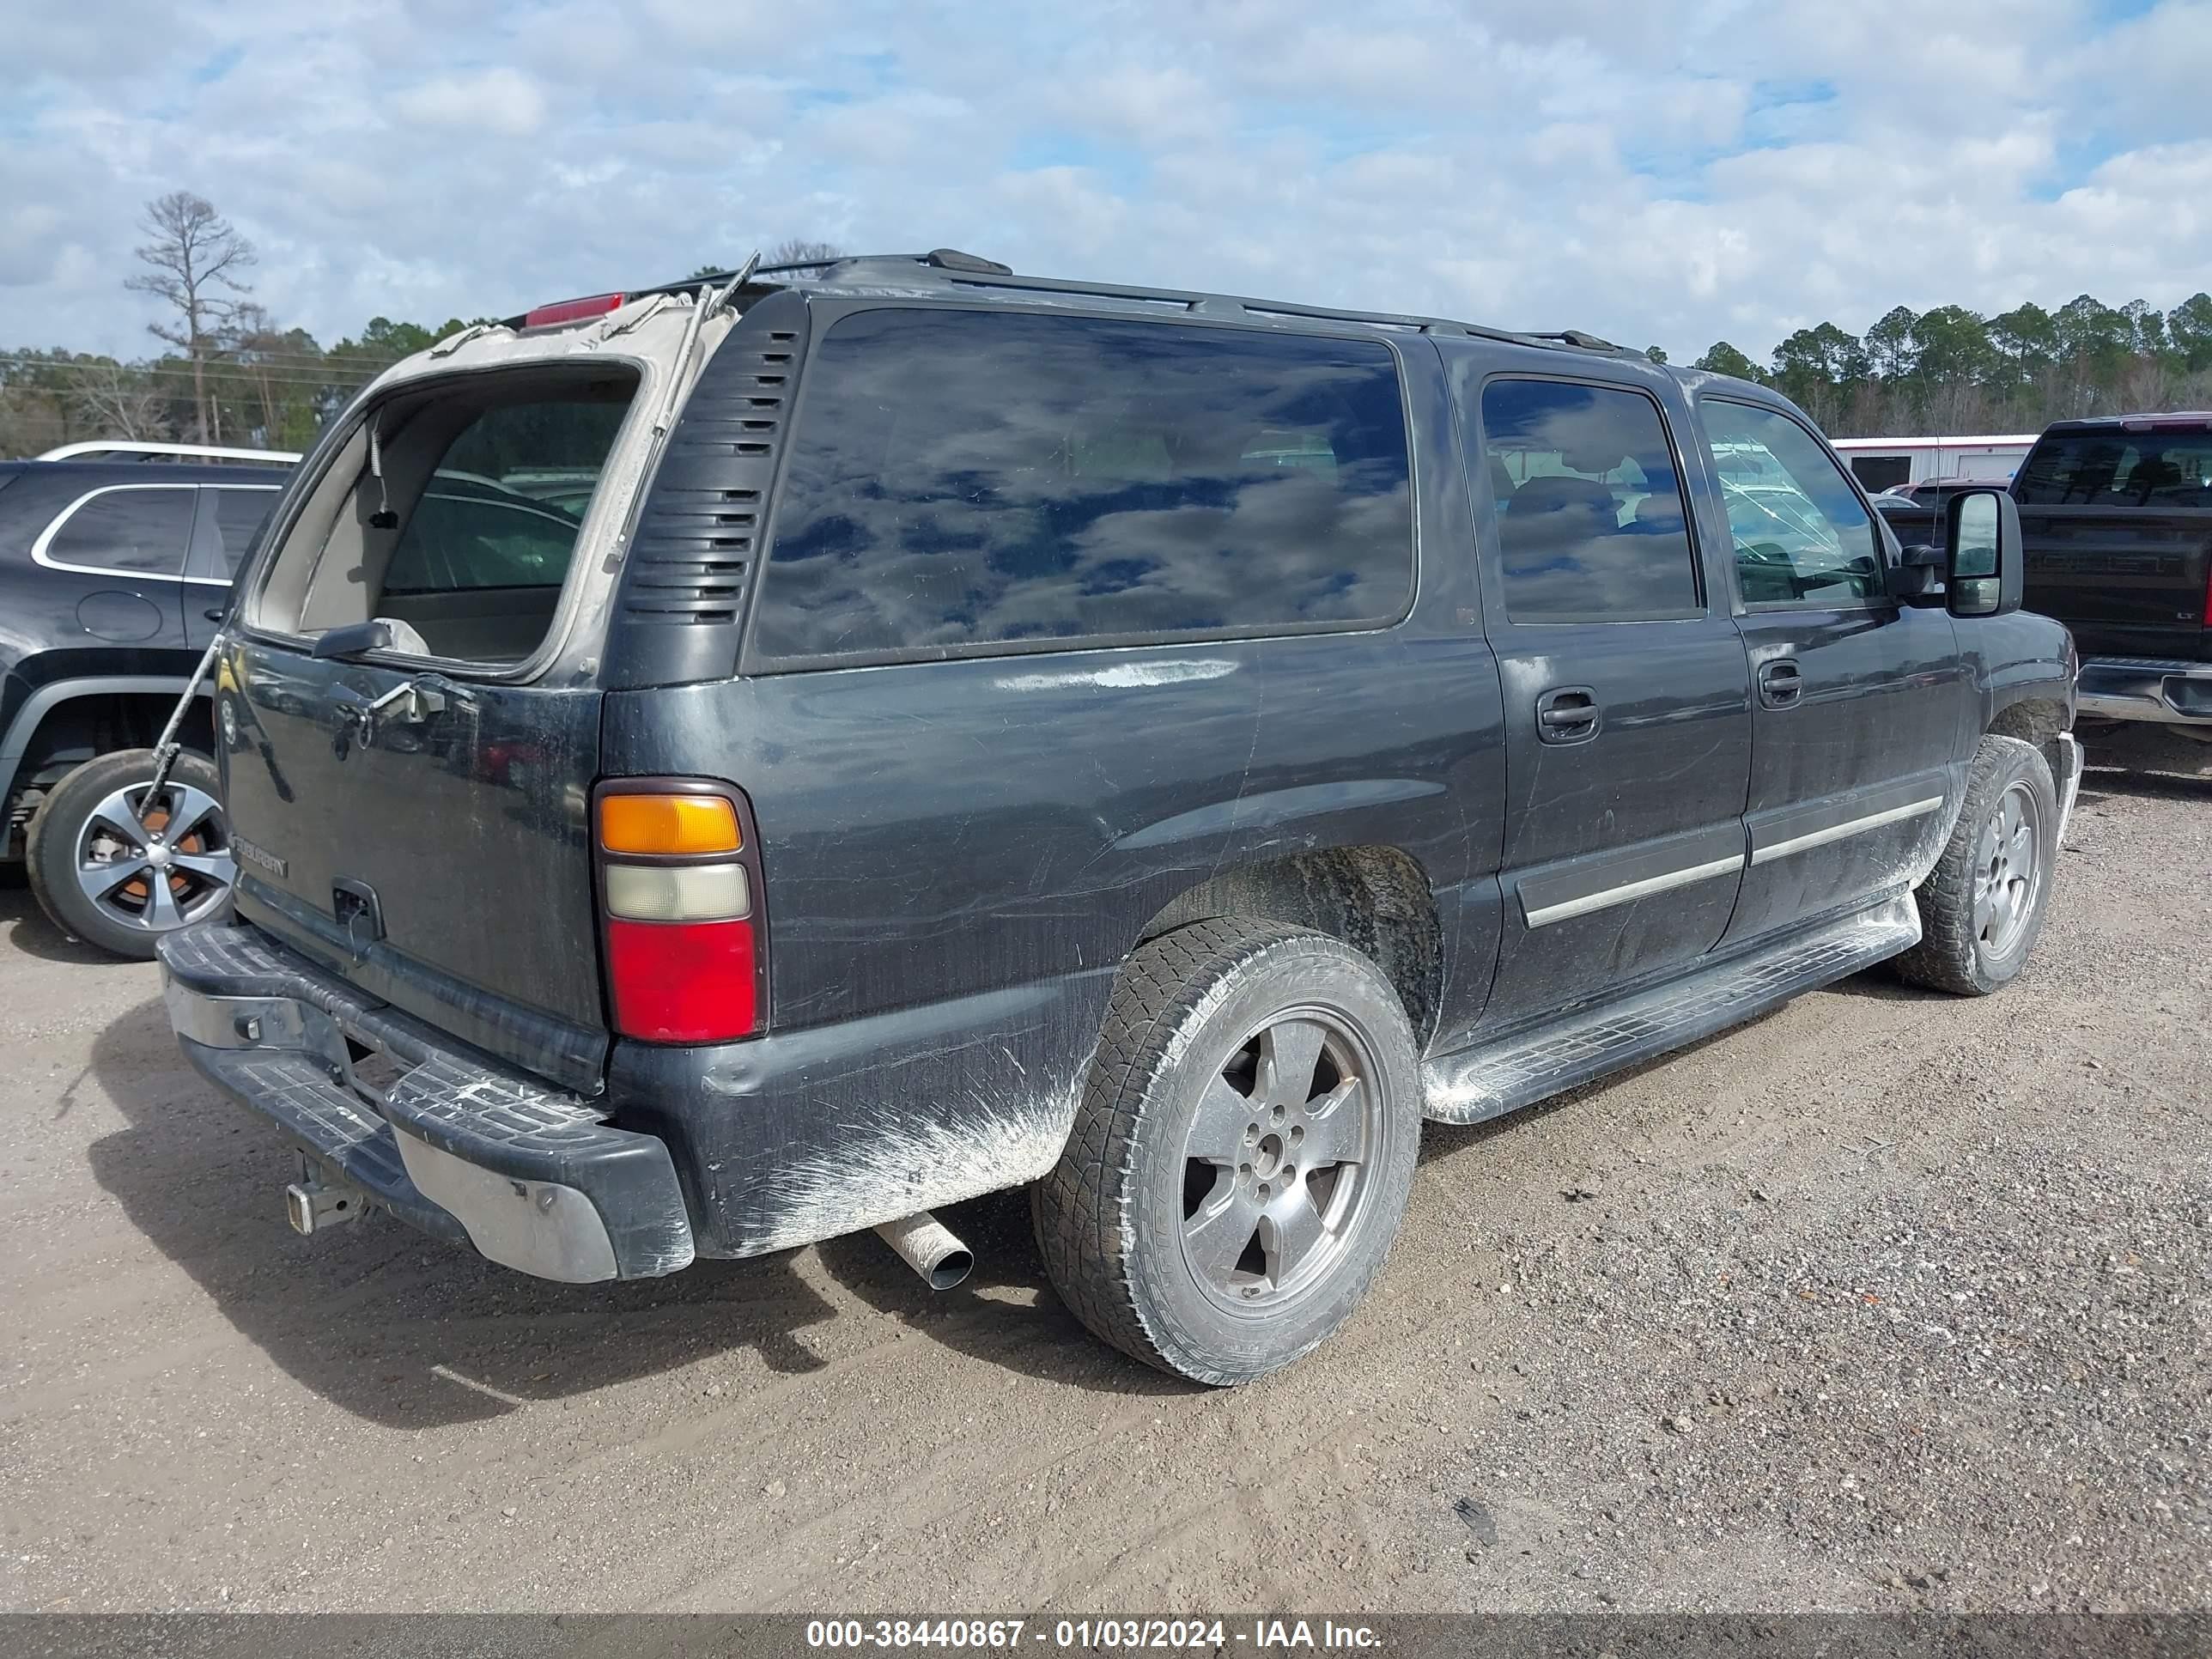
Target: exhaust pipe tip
x=930, y=1247
x=952, y=1267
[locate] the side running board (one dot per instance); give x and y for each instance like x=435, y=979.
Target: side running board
x=1488, y=1081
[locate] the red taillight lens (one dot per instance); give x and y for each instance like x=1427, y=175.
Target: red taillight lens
x=679, y=886
x=681, y=981
x=572, y=311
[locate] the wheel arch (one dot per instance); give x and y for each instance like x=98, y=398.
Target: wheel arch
x=2036, y=720
x=1378, y=899
x=97, y=715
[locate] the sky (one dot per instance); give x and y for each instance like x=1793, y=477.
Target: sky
x=1669, y=173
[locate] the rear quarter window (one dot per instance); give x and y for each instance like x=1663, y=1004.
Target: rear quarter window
x=142, y=530
x=992, y=481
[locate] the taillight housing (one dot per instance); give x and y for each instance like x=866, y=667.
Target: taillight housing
x=680, y=905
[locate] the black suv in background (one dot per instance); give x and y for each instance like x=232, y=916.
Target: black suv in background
x=1152, y=747
x=115, y=568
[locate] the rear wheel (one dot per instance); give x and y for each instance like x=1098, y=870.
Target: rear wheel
x=1982, y=905
x=1241, y=1160
x=117, y=866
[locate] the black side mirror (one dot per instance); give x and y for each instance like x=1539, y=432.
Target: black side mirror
x=1917, y=578
x=1985, y=575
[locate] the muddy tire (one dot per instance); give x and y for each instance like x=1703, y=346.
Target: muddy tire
x=111, y=867
x=1241, y=1159
x=1983, y=904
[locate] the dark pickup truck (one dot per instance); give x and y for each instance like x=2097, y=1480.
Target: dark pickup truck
x=1154, y=748
x=2117, y=516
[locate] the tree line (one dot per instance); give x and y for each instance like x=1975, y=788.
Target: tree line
x=1952, y=371
x=234, y=374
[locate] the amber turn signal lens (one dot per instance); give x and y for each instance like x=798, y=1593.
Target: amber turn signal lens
x=680, y=825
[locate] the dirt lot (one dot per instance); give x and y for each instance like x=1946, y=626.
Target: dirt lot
x=1887, y=1300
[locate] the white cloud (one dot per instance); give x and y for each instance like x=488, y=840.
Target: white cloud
x=1729, y=169
x=504, y=100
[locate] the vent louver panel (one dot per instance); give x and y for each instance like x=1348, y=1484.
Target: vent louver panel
x=680, y=608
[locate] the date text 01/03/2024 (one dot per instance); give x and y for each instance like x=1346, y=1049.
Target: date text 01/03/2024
x=1208, y=1635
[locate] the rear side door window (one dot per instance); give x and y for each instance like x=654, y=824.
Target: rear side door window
x=134, y=530
x=1802, y=538
x=964, y=482
x=1591, y=525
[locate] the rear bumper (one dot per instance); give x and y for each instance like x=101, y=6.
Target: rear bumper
x=2168, y=692
x=456, y=1145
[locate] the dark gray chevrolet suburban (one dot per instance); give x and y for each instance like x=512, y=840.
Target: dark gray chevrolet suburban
x=1152, y=747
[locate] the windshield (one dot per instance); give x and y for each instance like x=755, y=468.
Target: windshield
x=2119, y=468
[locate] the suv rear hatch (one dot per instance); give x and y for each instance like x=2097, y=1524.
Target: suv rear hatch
x=2116, y=516
x=411, y=801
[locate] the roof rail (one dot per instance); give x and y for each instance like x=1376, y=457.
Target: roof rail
x=133, y=449
x=955, y=269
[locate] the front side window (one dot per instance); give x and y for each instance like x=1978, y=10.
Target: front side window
x=979, y=480
x=1802, y=537
x=2118, y=468
x=1591, y=521
x=136, y=530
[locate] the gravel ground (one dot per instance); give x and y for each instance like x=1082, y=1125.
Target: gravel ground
x=1886, y=1301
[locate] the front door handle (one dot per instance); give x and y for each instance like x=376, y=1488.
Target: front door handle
x=214, y=613
x=1781, y=682
x=1568, y=714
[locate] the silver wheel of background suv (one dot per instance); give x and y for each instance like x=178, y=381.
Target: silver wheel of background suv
x=117, y=866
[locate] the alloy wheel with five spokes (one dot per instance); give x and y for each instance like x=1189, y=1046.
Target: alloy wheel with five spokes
x=155, y=862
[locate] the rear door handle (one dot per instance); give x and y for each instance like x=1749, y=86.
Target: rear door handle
x=1781, y=682
x=214, y=613
x=1568, y=714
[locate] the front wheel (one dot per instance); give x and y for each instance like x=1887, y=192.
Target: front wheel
x=1982, y=905
x=117, y=866
x=1241, y=1160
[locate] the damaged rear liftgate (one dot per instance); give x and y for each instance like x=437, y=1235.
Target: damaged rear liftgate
x=466, y=1140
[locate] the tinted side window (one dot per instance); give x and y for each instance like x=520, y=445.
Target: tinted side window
x=2118, y=468
x=144, y=532
x=1590, y=521
x=459, y=542
x=238, y=516
x=1801, y=536
x=976, y=479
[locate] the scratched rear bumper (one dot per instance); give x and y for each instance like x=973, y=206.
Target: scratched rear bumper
x=733, y=1150
x=455, y=1143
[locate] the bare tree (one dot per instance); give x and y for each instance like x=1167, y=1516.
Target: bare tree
x=798, y=251
x=195, y=252
x=121, y=401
